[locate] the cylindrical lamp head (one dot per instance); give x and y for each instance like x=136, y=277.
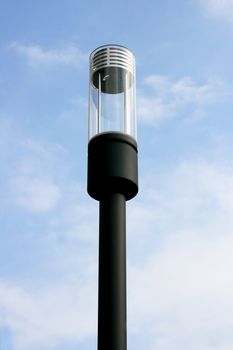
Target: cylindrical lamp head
x=112, y=91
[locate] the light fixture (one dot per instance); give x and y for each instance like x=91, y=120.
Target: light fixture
x=112, y=179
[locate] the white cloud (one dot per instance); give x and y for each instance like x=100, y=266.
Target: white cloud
x=194, y=195
x=32, y=186
x=36, y=194
x=70, y=220
x=219, y=8
x=56, y=302
x=37, y=56
x=169, y=99
x=181, y=293
x=48, y=317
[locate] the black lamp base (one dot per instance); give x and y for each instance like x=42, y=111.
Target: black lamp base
x=112, y=165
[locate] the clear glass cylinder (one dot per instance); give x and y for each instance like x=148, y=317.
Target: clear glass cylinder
x=112, y=91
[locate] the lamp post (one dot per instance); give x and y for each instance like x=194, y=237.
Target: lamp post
x=112, y=180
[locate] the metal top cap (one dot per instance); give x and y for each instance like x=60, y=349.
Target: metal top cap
x=112, y=56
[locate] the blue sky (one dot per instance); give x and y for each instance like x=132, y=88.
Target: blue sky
x=179, y=227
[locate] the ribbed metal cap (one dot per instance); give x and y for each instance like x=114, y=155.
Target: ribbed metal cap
x=109, y=65
x=112, y=56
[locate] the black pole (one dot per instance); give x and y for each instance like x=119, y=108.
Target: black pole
x=112, y=274
x=112, y=179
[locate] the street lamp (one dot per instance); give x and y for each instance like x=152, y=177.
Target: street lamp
x=112, y=179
